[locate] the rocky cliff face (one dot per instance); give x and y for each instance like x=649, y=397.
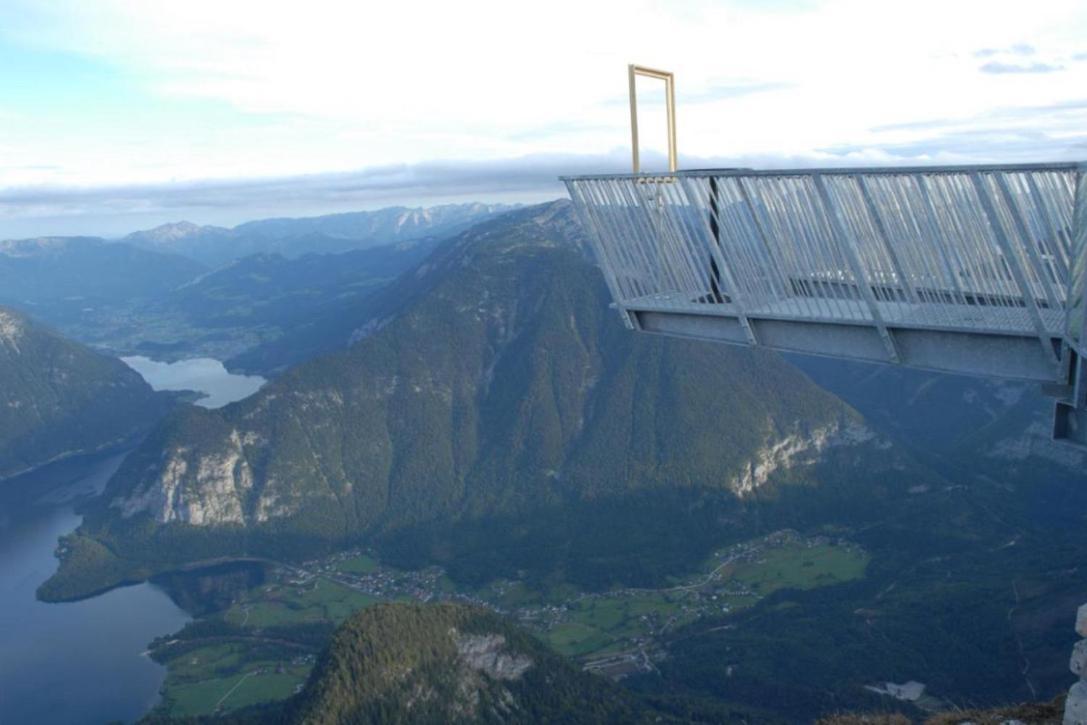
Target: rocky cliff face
x=797, y=450
x=59, y=399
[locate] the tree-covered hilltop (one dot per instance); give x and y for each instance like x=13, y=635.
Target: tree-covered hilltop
x=449, y=663
x=496, y=381
x=59, y=399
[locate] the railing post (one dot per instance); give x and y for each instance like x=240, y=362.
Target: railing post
x=607, y=265
x=715, y=233
x=881, y=229
x=1060, y=261
x=852, y=253
x=1028, y=243
x=938, y=237
x=736, y=297
x=1017, y=273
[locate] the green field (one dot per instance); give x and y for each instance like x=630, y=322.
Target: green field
x=226, y=677
x=597, y=624
x=225, y=671
x=802, y=567
x=322, y=601
x=361, y=564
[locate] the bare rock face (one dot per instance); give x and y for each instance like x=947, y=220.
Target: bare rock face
x=198, y=490
x=1075, y=707
x=486, y=653
x=796, y=450
x=10, y=330
x=1078, y=665
x=485, y=663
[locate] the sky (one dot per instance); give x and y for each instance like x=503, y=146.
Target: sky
x=117, y=115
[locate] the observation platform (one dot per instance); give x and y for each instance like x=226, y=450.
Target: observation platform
x=966, y=269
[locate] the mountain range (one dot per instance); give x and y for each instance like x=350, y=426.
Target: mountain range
x=329, y=234
x=473, y=403
x=184, y=290
x=501, y=386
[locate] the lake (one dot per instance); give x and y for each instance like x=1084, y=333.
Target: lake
x=84, y=662
x=78, y=662
x=202, y=374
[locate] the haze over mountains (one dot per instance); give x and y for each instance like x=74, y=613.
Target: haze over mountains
x=184, y=289
x=501, y=384
x=472, y=403
x=215, y=246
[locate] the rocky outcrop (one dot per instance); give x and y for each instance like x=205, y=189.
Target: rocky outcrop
x=10, y=330
x=193, y=489
x=487, y=654
x=796, y=450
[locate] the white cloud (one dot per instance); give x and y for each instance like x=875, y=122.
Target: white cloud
x=339, y=86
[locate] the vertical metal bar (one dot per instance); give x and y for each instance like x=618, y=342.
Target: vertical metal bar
x=1077, y=289
x=881, y=229
x=715, y=240
x=1059, y=252
x=606, y=265
x=760, y=228
x=718, y=252
x=632, y=77
x=679, y=205
x=939, y=240
x=1013, y=264
x=852, y=255
x=1028, y=243
x=673, y=156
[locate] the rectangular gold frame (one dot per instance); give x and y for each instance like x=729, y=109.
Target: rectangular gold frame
x=633, y=72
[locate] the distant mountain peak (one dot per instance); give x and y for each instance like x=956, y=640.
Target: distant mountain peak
x=173, y=231
x=327, y=234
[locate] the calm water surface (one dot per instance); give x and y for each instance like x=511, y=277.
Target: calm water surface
x=203, y=374
x=84, y=662
x=80, y=662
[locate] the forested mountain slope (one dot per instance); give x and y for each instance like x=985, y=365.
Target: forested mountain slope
x=58, y=398
x=502, y=385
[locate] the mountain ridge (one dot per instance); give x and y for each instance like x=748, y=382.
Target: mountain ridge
x=294, y=236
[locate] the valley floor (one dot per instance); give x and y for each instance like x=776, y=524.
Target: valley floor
x=263, y=646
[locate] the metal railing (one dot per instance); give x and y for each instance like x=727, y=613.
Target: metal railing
x=978, y=248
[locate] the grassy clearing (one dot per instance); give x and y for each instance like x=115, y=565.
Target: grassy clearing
x=802, y=567
x=227, y=676
x=575, y=639
x=361, y=564
x=198, y=680
x=593, y=625
x=322, y=601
